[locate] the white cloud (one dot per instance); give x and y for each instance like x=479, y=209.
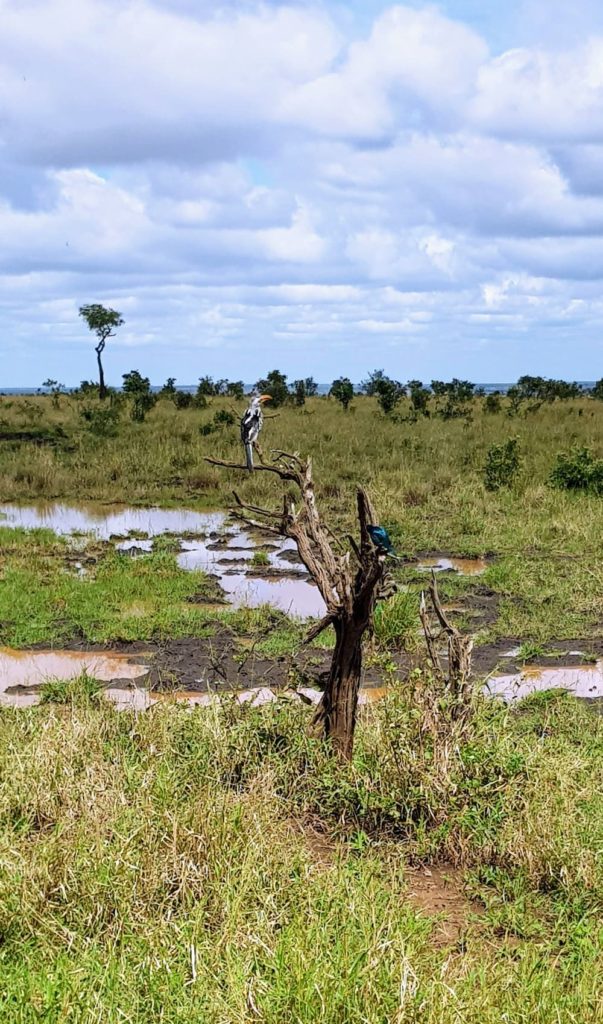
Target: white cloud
x=235, y=176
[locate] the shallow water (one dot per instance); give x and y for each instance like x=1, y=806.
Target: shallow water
x=23, y=673
x=106, y=521
x=581, y=680
x=463, y=566
x=223, y=545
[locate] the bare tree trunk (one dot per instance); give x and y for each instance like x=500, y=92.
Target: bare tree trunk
x=335, y=717
x=349, y=589
x=102, y=388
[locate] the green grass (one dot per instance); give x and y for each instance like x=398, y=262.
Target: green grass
x=42, y=601
x=162, y=867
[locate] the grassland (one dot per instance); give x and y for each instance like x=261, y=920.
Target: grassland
x=216, y=864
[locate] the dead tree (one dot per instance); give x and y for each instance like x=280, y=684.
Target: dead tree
x=456, y=679
x=348, y=580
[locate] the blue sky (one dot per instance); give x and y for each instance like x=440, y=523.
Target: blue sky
x=325, y=188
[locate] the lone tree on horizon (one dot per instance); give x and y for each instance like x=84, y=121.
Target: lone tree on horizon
x=102, y=322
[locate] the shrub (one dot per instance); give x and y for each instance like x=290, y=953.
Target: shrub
x=502, y=464
x=342, y=390
x=492, y=403
x=578, y=470
x=101, y=420
x=183, y=399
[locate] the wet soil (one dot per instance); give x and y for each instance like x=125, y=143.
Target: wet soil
x=438, y=893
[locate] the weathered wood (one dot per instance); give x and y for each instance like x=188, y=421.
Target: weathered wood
x=349, y=592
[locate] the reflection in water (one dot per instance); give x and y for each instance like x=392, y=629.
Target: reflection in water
x=581, y=680
x=464, y=566
x=23, y=673
x=224, y=545
x=108, y=521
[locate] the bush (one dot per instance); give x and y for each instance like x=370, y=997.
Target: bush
x=342, y=390
x=492, y=403
x=101, y=420
x=502, y=465
x=183, y=399
x=578, y=470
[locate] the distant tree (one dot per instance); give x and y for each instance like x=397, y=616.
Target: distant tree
x=206, y=387
x=597, y=391
x=371, y=385
x=492, y=403
x=275, y=385
x=169, y=388
x=102, y=322
x=456, y=394
x=389, y=394
x=139, y=389
x=183, y=399
x=302, y=389
x=419, y=397
x=235, y=389
x=56, y=390
x=342, y=390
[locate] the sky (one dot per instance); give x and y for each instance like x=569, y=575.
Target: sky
x=325, y=188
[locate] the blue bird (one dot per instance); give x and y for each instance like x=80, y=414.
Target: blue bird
x=381, y=539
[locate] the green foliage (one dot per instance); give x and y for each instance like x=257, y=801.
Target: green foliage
x=56, y=390
x=454, y=398
x=342, y=390
x=221, y=418
x=492, y=403
x=101, y=320
x=397, y=620
x=388, y=392
x=76, y=692
x=578, y=470
x=139, y=389
x=419, y=397
x=169, y=388
x=183, y=399
x=260, y=558
x=302, y=389
x=547, y=390
x=503, y=462
x=235, y=389
x=597, y=390
x=101, y=420
x=275, y=385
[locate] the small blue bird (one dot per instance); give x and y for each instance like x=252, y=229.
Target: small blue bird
x=381, y=539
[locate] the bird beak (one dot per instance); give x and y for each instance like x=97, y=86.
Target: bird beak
x=265, y=398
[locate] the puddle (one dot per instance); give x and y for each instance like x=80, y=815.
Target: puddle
x=22, y=673
x=580, y=680
x=105, y=521
x=224, y=549
x=462, y=566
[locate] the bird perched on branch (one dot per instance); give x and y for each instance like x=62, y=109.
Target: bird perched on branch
x=251, y=424
x=381, y=539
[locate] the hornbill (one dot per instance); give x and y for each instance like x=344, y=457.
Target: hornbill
x=251, y=424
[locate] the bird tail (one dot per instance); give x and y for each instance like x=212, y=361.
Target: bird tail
x=249, y=455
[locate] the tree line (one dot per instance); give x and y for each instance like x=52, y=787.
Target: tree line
x=446, y=399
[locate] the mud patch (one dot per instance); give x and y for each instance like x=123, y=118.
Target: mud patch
x=438, y=893
x=451, y=563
